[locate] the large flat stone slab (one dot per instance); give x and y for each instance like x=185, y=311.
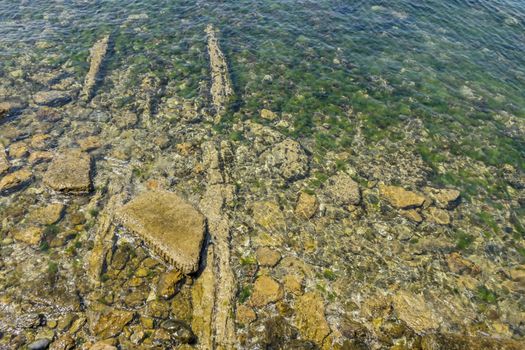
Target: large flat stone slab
x=70, y=172
x=169, y=225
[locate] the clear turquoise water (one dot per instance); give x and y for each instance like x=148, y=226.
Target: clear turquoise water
x=341, y=72
x=452, y=64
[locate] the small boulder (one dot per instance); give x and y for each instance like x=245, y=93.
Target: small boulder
x=437, y=216
x=445, y=198
x=414, y=311
x=179, y=331
x=306, y=205
x=168, y=281
x=39, y=344
x=47, y=215
x=101, y=345
x=15, y=180
x=287, y=159
x=52, y=98
x=457, y=264
x=518, y=275
x=8, y=108
x=400, y=198
x=293, y=284
x=268, y=115
x=267, y=256
x=90, y=143
x=40, y=141
x=48, y=115
x=4, y=163
x=18, y=150
x=40, y=156
x=169, y=225
x=343, y=190
x=245, y=314
x=70, y=172
x=266, y=290
x=412, y=215
x=268, y=215
x=310, y=317
x=112, y=323
x=65, y=342
x=31, y=235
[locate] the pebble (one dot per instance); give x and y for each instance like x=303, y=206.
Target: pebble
x=179, y=331
x=51, y=98
x=39, y=344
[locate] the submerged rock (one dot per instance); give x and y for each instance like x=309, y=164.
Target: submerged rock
x=102, y=346
x=31, y=235
x=179, y=331
x=459, y=265
x=267, y=256
x=459, y=342
x=169, y=225
x=221, y=87
x=97, y=54
x=266, y=290
x=245, y=314
x=15, y=180
x=112, y=323
x=287, y=159
x=52, y=98
x=518, y=275
x=4, y=163
x=47, y=215
x=343, y=190
x=445, y=198
x=8, y=108
x=168, y=284
x=70, y=172
x=40, y=156
x=400, y=198
x=90, y=143
x=268, y=215
x=415, y=312
x=39, y=344
x=412, y=215
x=18, y=150
x=310, y=317
x=306, y=205
x=65, y=342
x=437, y=216
x=268, y=115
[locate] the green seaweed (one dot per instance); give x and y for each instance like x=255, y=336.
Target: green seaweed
x=486, y=295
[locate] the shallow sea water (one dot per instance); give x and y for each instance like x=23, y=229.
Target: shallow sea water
x=356, y=99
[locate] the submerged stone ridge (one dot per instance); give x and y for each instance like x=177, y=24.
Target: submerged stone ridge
x=97, y=54
x=221, y=87
x=169, y=225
